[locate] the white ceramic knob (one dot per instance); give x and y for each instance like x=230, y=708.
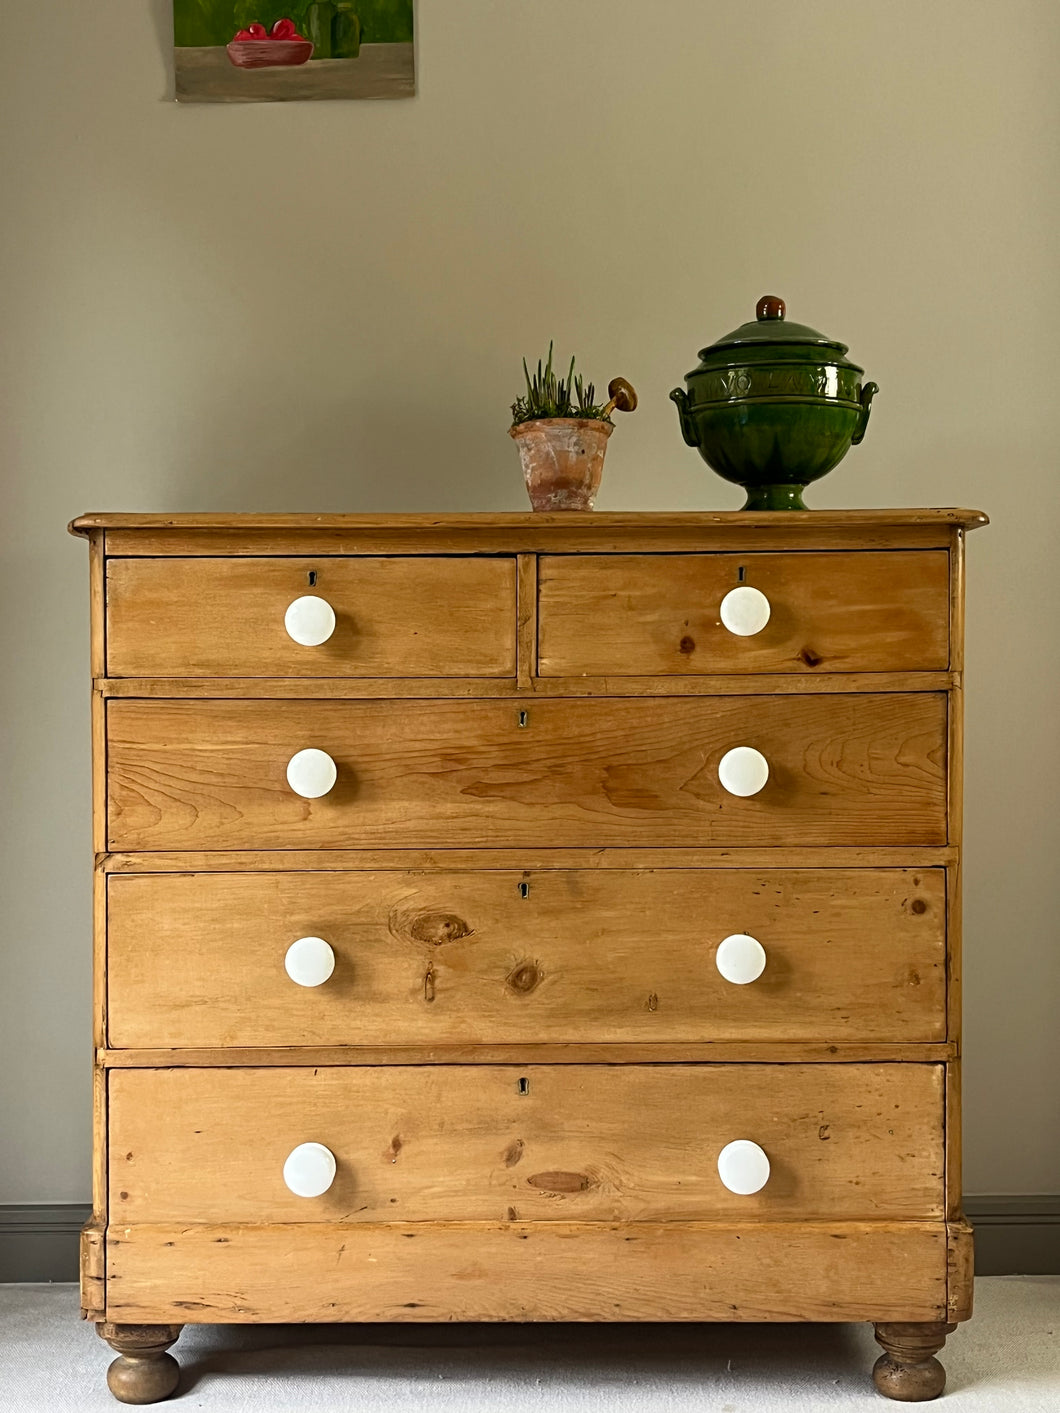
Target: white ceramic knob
x=745, y=611
x=743, y=1167
x=740, y=958
x=743, y=770
x=309, y=961
x=311, y=773
x=310, y=621
x=309, y=1170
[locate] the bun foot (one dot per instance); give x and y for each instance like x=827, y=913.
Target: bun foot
x=907, y=1370
x=144, y=1373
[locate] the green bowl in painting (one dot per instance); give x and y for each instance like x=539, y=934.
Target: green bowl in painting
x=773, y=406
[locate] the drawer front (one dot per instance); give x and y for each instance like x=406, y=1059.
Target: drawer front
x=736, y=1270
x=399, y=617
x=843, y=770
x=502, y=957
x=536, y=1143
x=631, y=615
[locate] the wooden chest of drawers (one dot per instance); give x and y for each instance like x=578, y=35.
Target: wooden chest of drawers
x=527, y=917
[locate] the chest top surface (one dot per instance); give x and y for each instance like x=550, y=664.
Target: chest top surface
x=529, y=532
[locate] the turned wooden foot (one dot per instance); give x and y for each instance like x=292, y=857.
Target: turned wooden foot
x=144, y=1373
x=907, y=1369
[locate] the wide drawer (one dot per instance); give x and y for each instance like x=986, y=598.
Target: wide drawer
x=178, y=1273
x=438, y=958
x=844, y=769
x=394, y=617
x=633, y=614
x=539, y=1142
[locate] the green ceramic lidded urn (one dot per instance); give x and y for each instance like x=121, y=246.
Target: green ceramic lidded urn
x=774, y=406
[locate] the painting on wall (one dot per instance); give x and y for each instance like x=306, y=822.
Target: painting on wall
x=274, y=51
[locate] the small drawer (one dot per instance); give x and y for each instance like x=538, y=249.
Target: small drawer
x=826, y=768
x=366, y=617
x=425, y=1143
x=536, y=957
x=630, y=615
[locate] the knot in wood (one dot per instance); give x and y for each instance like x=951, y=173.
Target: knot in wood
x=523, y=978
x=560, y=1182
x=439, y=928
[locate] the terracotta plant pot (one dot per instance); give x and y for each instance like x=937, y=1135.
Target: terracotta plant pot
x=563, y=460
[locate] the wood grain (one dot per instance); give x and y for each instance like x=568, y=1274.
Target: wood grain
x=955, y=825
x=543, y=1271
x=590, y=1142
x=853, y=955
x=343, y=688
x=93, y=1270
x=598, y=987
x=960, y=1278
x=493, y=522
x=864, y=770
x=593, y=532
x=634, y=615
x=400, y=617
x=780, y=1052
x=526, y=629
x=477, y=860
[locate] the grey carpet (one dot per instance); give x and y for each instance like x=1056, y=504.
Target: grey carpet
x=1006, y=1361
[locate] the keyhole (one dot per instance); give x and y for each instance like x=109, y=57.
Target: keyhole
x=312, y=577
x=741, y=574
x=522, y=718
x=524, y=890
x=524, y=1086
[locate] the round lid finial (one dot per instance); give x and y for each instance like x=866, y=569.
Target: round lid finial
x=770, y=306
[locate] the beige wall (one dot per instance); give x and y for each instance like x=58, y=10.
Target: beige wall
x=323, y=307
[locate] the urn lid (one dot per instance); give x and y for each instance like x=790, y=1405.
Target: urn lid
x=769, y=330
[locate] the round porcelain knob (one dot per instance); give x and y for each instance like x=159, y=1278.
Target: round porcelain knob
x=311, y=773
x=309, y=1170
x=740, y=958
x=309, y=961
x=743, y=1167
x=310, y=621
x=745, y=611
x=743, y=770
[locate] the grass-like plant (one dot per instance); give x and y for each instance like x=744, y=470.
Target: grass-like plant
x=550, y=396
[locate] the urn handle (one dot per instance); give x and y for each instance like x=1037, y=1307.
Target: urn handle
x=684, y=411
x=868, y=392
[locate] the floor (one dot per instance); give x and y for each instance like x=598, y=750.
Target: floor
x=1006, y=1361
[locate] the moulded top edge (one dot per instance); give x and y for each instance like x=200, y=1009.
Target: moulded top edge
x=524, y=520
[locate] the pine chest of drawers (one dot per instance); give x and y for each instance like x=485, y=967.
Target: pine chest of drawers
x=527, y=917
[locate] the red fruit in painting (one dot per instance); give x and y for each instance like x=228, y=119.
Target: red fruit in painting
x=256, y=31
x=242, y=35
x=284, y=29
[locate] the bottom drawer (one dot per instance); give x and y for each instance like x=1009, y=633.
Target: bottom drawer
x=539, y=1271
x=431, y=1143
